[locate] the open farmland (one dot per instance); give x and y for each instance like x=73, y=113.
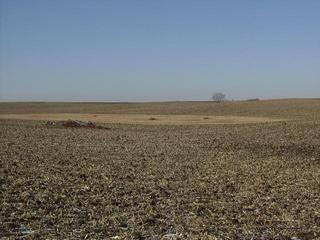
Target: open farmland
x=179, y=170
x=142, y=118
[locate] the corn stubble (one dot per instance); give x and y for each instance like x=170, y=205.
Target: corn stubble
x=250, y=181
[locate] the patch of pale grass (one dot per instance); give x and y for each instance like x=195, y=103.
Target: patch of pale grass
x=142, y=118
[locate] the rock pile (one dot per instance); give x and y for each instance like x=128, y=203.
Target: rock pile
x=74, y=123
x=77, y=123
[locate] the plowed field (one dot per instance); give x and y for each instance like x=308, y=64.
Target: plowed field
x=254, y=180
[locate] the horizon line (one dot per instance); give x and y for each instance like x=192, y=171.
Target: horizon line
x=160, y=101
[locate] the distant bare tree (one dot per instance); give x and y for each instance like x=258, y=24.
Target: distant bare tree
x=218, y=97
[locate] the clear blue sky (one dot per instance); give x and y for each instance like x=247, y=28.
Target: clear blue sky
x=150, y=50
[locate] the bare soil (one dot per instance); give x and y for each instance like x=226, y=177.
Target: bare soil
x=147, y=181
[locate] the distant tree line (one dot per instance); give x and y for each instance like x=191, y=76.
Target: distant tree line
x=219, y=97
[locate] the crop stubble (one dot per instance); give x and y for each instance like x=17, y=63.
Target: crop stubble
x=250, y=181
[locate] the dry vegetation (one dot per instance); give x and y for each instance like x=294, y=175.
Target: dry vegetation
x=130, y=181
x=300, y=108
x=142, y=118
